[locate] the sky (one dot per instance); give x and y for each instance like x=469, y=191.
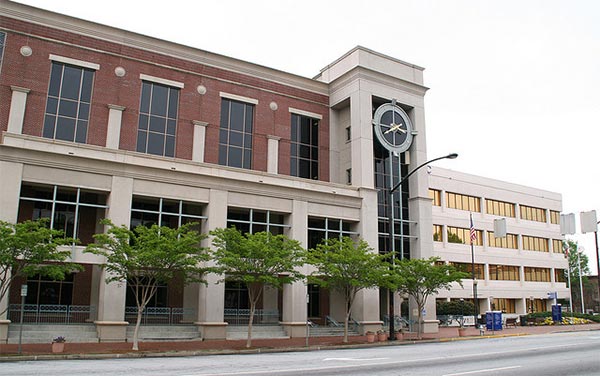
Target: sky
x=514, y=85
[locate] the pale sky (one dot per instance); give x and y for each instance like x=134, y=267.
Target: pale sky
x=514, y=85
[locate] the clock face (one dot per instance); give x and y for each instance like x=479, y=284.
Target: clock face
x=393, y=128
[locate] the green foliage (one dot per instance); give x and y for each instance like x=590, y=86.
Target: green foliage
x=421, y=278
x=30, y=248
x=453, y=238
x=595, y=318
x=258, y=260
x=148, y=257
x=576, y=268
x=455, y=307
x=347, y=266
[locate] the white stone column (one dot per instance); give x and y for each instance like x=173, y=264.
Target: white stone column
x=294, y=295
x=113, y=131
x=16, y=114
x=199, y=140
x=111, y=324
x=273, y=154
x=211, y=297
x=361, y=127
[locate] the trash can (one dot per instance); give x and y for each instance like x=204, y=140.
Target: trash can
x=523, y=320
x=556, y=313
x=493, y=320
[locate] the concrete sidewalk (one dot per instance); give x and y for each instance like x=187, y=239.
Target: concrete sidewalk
x=194, y=348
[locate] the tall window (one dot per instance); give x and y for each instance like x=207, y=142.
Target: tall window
x=304, y=147
x=560, y=275
x=505, y=209
x=2, y=44
x=504, y=273
x=533, y=214
x=68, y=103
x=437, y=233
x=554, y=217
x=504, y=305
x=467, y=267
x=436, y=197
x=252, y=220
x=314, y=295
x=557, y=246
x=45, y=290
x=463, y=202
x=463, y=235
x=157, y=124
x=148, y=211
x=235, y=135
x=537, y=274
x=533, y=243
x=75, y=211
x=325, y=228
x=509, y=241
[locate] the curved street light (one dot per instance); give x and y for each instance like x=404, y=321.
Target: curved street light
x=391, y=230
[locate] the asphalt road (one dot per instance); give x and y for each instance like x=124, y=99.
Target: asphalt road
x=548, y=355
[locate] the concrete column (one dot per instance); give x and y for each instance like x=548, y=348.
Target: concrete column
x=111, y=324
x=10, y=189
x=294, y=295
x=16, y=114
x=211, y=297
x=361, y=127
x=199, y=140
x=113, y=132
x=273, y=154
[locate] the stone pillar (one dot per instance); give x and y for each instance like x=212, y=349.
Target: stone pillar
x=199, y=140
x=111, y=324
x=362, y=139
x=113, y=132
x=294, y=295
x=10, y=190
x=273, y=154
x=211, y=297
x=16, y=113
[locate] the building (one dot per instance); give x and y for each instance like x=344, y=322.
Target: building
x=99, y=122
x=514, y=273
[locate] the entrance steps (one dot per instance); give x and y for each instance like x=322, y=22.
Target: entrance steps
x=164, y=333
x=44, y=333
x=258, y=331
x=331, y=331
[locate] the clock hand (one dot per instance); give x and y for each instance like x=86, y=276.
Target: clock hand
x=395, y=127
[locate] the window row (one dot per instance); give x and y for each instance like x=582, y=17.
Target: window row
x=69, y=101
x=493, y=207
x=77, y=212
x=461, y=235
x=510, y=272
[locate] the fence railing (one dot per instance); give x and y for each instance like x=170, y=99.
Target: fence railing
x=161, y=315
x=242, y=316
x=51, y=313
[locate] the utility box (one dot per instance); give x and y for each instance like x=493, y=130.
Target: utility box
x=556, y=313
x=493, y=320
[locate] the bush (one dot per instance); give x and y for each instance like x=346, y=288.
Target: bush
x=455, y=307
x=594, y=318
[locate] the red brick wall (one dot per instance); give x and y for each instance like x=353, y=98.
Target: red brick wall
x=33, y=73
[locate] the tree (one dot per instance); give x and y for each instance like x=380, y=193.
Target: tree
x=578, y=265
x=257, y=260
x=147, y=257
x=421, y=278
x=31, y=248
x=347, y=266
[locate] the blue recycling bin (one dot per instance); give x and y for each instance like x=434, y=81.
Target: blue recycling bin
x=556, y=313
x=493, y=320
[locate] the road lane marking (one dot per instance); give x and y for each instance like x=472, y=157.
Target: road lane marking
x=354, y=359
x=481, y=371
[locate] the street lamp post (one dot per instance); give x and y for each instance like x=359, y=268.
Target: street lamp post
x=391, y=191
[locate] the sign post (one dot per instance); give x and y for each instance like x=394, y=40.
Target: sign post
x=23, y=295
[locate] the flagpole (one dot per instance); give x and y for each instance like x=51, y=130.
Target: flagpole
x=566, y=248
x=471, y=233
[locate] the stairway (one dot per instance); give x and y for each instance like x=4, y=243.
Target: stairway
x=331, y=331
x=164, y=332
x=44, y=333
x=258, y=331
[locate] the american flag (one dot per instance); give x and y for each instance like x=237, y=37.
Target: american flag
x=472, y=232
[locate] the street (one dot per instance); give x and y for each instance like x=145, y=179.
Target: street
x=574, y=353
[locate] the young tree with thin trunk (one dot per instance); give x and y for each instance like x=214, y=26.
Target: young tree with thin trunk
x=421, y=278
x=147, y=257
x=257, y=260
x=31, y=248
x=347, y=266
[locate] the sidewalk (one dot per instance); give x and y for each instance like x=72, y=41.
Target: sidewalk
x=193, y=348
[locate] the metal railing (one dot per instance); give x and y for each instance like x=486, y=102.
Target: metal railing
x=160, y=315
x=51, y=313
x=235, y=316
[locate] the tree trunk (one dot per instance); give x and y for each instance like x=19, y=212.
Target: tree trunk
x=137, y=327
x=250, y=321
x=346, y=319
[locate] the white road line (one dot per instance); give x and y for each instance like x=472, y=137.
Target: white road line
x=354, y=359
x=481, y=371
